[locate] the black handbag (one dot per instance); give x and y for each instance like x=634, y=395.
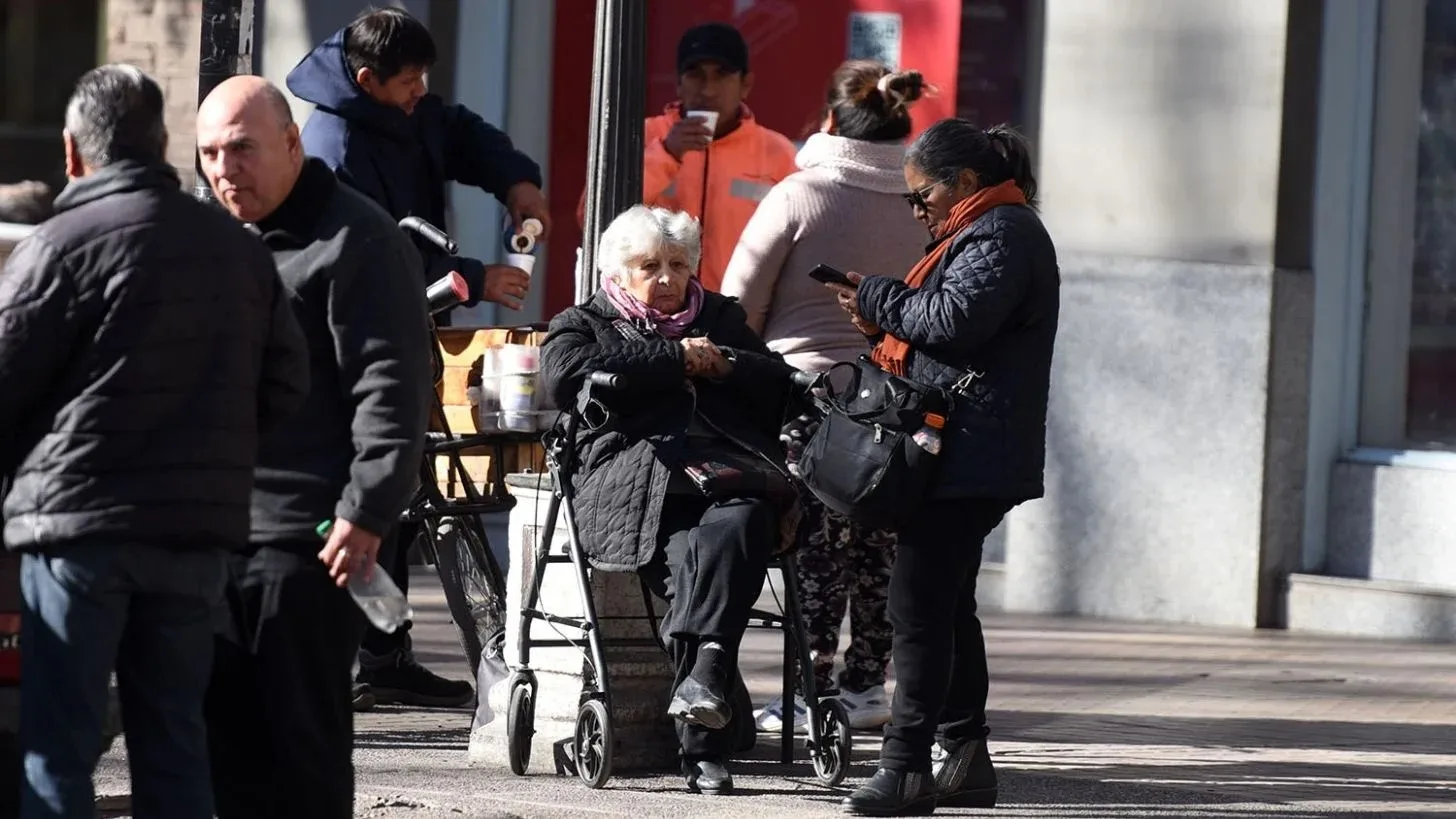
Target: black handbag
x=864, y=461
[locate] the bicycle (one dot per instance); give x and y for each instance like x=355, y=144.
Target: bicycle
x=451, y=533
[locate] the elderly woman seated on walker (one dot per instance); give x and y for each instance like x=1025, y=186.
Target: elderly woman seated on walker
x=686, y=484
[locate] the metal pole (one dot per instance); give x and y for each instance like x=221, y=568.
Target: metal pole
x=227, y=51
x=618, y=107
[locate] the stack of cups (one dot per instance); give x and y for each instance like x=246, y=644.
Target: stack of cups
x=486, y=397
x=519, y=371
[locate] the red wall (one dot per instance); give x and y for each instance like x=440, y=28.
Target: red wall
x=792, y=52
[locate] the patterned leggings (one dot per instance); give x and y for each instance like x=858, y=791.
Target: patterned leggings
x=843, y=563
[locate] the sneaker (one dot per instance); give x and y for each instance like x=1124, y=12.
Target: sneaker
x=363, y=697
x=770, y=718
x=406, y=682
x=869, y=708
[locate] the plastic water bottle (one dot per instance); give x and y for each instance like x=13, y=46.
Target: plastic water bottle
x=928, y=436
x=381, y=601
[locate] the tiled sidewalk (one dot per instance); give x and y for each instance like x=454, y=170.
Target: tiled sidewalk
x=1089, y=719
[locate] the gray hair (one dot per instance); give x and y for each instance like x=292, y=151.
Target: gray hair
x=639, y=230
x=116, y=113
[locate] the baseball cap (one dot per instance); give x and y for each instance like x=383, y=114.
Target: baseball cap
x=718, y=42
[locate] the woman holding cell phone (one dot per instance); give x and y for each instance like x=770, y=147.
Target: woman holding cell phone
x=977, y=316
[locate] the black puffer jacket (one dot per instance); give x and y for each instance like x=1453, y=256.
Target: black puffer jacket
x=145, y=341
x=989, y=307
x=622, y=472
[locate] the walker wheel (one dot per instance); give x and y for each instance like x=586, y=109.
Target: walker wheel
x=520, y=723
x=836, y=741
x=593, y=747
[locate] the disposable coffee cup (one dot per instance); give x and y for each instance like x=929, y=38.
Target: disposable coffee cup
x=710, y=119
x=522, y=261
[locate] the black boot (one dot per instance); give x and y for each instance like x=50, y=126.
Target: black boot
x=707, y=776
x=702, y=698
x=893, y=793
x=965, y=778
x=363, y=697
x=405, y=682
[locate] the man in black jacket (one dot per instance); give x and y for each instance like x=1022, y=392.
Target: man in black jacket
x=386, y=137
x=279, y=710
x=145, y=344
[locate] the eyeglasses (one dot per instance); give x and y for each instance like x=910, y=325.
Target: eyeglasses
x=916, y=198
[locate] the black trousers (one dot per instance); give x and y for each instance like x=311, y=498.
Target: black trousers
x=279, y=709
x=709, y=567
x=394, y=559
x=939, y=650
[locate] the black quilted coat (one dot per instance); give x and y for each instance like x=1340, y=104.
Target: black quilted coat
x=622, y=472
x=989, y=307
x=146, y=341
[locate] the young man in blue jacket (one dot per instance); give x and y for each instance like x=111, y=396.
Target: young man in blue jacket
x=384, y=135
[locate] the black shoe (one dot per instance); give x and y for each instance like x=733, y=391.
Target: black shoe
x=363, y=697
x=701, y=699
x=893, y=793
x=406, y=682
x=965, y=778
x=707, y=776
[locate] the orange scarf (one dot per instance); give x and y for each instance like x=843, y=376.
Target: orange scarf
x=891, y=353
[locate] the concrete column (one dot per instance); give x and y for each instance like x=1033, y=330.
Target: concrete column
x=1174, y=154
x=641, y=678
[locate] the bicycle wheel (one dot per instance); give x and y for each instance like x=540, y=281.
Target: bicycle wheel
x=475, y=588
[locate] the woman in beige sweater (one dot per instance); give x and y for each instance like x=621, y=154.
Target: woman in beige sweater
x=845, y=208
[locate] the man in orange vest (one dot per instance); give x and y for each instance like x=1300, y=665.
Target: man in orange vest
x=717, y=174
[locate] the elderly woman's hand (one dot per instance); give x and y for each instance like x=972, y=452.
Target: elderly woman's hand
x=702, y=358
x=848, y=300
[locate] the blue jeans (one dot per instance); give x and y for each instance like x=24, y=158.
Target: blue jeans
x=146, y=612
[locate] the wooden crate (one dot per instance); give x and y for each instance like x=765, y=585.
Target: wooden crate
x=463, y=351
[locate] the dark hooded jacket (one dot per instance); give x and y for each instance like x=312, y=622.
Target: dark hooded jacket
x=402, y=161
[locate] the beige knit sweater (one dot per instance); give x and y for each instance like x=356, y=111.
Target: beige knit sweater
x=842, y=208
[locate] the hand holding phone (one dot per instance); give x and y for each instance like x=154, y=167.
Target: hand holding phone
x=824, y=274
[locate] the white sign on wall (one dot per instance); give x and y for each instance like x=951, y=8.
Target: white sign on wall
x=875, y=35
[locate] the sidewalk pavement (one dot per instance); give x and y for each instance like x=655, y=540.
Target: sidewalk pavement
x=1089, y=719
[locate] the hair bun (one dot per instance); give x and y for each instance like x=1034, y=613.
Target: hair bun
x=900, y=88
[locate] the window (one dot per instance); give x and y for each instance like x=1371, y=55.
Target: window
x=1431, y=362
x=999, y=63
x=45, y=45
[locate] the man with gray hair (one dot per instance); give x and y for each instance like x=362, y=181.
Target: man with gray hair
x=146, y=341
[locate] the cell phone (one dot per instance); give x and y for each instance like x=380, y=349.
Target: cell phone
x=825, y=274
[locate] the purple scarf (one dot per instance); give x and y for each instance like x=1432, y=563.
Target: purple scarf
x=668, y=325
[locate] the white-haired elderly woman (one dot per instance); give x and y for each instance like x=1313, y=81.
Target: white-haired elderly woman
x=687, y=483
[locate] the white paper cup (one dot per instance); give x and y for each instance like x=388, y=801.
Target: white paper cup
x=710, y=119
x=522, y=261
